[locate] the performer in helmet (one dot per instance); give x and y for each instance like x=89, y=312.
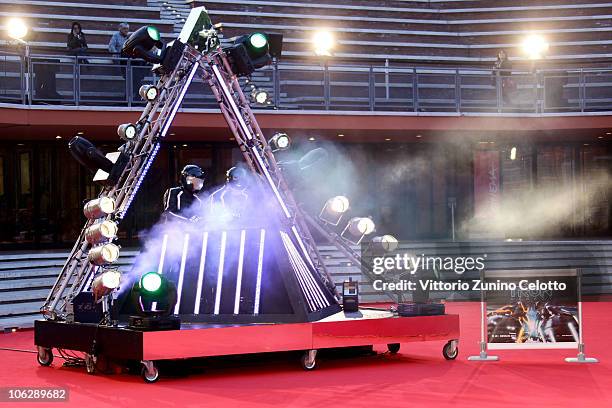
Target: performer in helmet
x=232, y=198
x=182, y=202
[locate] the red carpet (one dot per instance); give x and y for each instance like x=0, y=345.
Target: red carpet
x=417, y=377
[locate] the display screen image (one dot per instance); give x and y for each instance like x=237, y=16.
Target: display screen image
x=532, y=318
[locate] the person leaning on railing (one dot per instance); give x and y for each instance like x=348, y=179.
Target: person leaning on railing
x=77, y=43
x=503, y=71
x=118, y=39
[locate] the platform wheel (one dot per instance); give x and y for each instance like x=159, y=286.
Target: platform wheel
x=309, y=360
x=149, y=372
x=44, y=356
x=90, y=363
x=393, y=348
x=450, y=351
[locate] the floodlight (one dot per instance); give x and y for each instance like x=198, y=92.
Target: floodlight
x=17, y=29
x=99, y=207
x=101, y=232
x=535, y=46
x=386, y=243
x=127, y=131
x=513, y=153
x=280, y=141
x=141, y=43
x=357, y=228
x=103, y=254
x=258, y=41
x=334, y=209
x=260, y=96
x=148, y=93
x=105, y=283
x=323, y=42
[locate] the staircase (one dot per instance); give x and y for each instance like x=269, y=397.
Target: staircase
x=172, y=10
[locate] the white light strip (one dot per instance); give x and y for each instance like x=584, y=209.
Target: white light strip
x=181, y=274
x=262, y=238
x=296, y=263
x=160, y=266
x=239, y=276
x=298, y=276
x=247, y=133
x=179, y=100
x=196, y=309
x=313, y=284
x=143, y=174
x=302, y=246
x=220, y=273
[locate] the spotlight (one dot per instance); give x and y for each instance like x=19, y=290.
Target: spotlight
x=148, y=93
x=334, y=209
x=141, y=43
x=384, y=243
x=99, y=207
x=535, y=46
x=127, y=131
x=105, y=283
x=101, y=232
x=153, y=295
x=513, y=153
x=280, y=141
x=323, y=42
x=260, y=96
x=357, y=228
x=253, y=51
x=107, y=168
x=17, y=29
x=103, y=254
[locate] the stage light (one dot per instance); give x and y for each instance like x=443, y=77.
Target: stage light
x=151, y=282
x=103, y=254
x=153, y=295
x=535, y=46
x=148, y=93
x=101, y=232
x=99, y=207
x=105, y=283
x=141, y=43
x=253, y=51
x=323, y=42
x=334, y=209
x=357, y=228
x=280, y=141
x=385, y=243
x=106, y=168
x=127, y=131
x=17, y=29
x=513, y=153
x=260, y=96
x=258, y=41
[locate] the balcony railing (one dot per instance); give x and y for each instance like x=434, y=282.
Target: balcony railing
x=107, y=81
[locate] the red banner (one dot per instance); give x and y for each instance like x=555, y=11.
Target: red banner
x=487, y=183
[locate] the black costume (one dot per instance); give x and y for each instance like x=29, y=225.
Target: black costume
x=183, y=202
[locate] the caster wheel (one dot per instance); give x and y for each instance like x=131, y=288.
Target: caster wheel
x=393, y=348
x=308, y=363
x=450, y=351
x=149, y=375
x=90, y=363
x=44, y=356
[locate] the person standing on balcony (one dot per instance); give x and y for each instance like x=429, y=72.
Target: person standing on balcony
x=77, y=43
x=118, y=39
x=503, y=71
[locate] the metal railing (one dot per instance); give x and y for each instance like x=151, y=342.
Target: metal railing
x=111, y=81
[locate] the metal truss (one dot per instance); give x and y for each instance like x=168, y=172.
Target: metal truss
x=154, y=122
